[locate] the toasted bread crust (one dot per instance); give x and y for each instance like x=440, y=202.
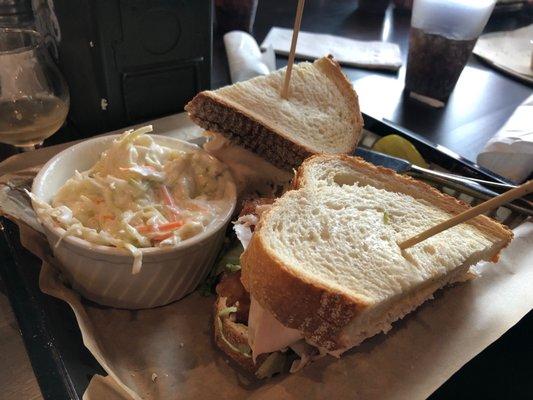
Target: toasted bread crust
x=320, y=313
x=234, y=333
x=245, y=128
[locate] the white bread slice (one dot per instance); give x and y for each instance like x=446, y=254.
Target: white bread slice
x=321, y=114
x=325, y=260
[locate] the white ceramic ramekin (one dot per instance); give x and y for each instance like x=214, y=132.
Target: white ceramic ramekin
x=103, y=273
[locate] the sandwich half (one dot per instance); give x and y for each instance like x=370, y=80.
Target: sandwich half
x=321, y=115
x=323, y=270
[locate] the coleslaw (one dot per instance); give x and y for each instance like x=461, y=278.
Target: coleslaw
x=141, y=194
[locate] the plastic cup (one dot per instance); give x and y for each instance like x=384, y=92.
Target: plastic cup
x=235, y=15
x=443, y=34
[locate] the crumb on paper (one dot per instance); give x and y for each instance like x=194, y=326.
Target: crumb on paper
x=181, y=344
x=154, y=377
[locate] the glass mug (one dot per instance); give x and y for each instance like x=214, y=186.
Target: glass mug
x=34, y=98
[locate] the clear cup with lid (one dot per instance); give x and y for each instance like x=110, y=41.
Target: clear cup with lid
x=443, y=34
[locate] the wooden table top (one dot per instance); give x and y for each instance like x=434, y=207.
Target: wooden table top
x=482, y=101
x=17, y=380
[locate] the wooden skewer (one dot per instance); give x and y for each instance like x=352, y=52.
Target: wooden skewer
x=297, y=22
x=495, y=202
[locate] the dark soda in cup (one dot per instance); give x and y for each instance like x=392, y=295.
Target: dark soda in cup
x=443, y=34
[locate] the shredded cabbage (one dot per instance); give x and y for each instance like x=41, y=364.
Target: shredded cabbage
x=140, y=194
x=227, y=311
x=244, y=349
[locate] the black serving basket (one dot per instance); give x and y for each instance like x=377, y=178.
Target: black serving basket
x=64, y=367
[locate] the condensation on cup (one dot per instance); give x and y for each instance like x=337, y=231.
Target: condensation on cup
x=443, y=34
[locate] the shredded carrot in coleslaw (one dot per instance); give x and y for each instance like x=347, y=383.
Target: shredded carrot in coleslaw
x=140, y=194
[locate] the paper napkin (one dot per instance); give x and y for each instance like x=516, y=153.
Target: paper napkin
x=510, y=152
x=510, y=51
x=357, y=53
x=244, y=57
